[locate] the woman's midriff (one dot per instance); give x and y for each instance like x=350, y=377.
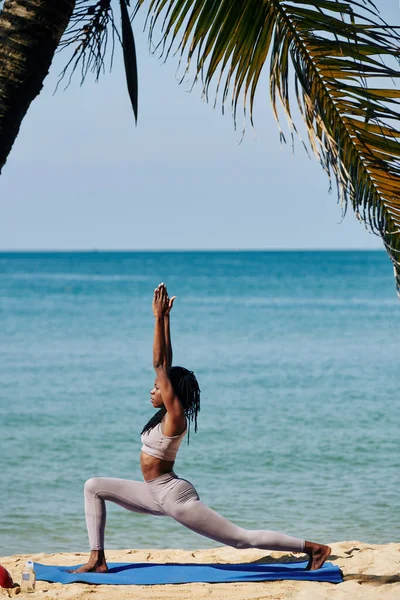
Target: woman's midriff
x=154, y=467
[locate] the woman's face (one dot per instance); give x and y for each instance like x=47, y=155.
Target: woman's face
x=155, y=396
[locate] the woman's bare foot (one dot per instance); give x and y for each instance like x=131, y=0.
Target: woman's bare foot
x=95, y=564
x=318, y=554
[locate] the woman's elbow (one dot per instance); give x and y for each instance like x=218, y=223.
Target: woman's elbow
x=158, y=366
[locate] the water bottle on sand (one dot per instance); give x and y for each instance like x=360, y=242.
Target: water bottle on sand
x=28, y=577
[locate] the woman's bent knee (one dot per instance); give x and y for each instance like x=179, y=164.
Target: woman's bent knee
x=92, y=485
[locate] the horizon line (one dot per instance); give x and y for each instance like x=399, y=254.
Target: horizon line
x=176, y=250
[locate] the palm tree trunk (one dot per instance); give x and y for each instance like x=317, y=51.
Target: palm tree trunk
x=30, y=31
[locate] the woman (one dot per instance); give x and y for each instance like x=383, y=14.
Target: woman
x=177, y=396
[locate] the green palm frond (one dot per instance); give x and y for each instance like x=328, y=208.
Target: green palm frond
x=130, y=63
x=339, y=53
x=91, y=28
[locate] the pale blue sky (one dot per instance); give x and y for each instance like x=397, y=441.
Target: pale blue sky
x=81, y=176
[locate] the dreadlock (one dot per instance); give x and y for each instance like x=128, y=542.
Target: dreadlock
x=187, y=389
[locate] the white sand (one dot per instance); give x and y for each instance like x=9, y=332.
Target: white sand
x=371, y=572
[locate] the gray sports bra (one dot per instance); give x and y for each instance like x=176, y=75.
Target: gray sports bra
x=156, y=444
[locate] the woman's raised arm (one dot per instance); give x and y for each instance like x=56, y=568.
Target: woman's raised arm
x=161, y=305
x=160, y=355
x=167, y=330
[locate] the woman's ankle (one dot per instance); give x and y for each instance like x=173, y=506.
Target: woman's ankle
x=97, y=557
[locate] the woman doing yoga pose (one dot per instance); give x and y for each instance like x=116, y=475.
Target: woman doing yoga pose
x=176, y=394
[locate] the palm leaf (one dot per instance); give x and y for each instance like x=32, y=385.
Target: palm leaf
x=339, y=54
x=91, y=28
x=129, y=51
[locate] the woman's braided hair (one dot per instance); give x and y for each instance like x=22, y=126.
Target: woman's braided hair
x=187, y=389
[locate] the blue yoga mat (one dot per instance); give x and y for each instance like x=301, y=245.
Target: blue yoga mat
x=156, y=574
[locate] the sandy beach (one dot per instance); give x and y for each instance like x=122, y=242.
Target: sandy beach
x=371, y=572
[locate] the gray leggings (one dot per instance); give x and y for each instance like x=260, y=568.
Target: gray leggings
x=168, y=495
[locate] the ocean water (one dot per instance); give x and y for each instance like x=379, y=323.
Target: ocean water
x=297, y=355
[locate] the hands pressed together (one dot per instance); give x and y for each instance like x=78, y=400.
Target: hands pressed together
x=162, y=303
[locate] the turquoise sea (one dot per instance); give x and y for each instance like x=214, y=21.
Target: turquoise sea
x=297, y=355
